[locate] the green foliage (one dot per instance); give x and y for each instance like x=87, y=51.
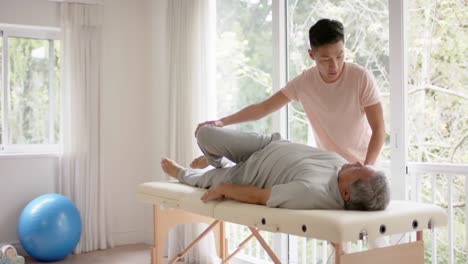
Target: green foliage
x=28, y=94
x=437, y=80
x=58, y=94
x=434, y=188
x=438, y=94
x=244, y=55
x=367, y=46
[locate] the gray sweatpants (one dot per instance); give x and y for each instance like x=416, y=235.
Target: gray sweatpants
x=216, y=143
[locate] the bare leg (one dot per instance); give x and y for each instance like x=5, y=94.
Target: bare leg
x=170, y=167
x=202, y=162
x=199, y=163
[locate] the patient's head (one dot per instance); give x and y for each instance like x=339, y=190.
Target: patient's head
x=363, y=188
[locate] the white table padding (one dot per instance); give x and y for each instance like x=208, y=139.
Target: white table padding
x=330, y=225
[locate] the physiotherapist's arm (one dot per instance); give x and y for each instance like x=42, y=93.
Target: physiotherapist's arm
x=252, y=112
x=375, y=118
x=241, y=193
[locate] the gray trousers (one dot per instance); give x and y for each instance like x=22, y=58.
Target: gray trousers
x=218, y=143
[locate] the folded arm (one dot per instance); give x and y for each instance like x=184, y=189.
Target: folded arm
x=241, y=193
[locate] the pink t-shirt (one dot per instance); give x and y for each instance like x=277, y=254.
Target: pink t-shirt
x=336, y=110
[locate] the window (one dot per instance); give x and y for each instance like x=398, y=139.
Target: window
x=438, y=119
x=30, y=95
x=1, y=90
x=243, y=77
x=367, y=46
x=436, y=107
x=437, y=82
x=244, y=58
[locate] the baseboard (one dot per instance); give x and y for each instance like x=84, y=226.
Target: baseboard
x=148, y=238
x=119, y=239
x=132, y=237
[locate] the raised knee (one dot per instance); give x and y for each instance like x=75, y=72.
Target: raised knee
x=203, y=134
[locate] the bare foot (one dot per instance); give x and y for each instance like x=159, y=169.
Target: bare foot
x=199, y=163
x=170, y=167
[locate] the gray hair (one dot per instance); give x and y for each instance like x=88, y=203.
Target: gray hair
x=370, y=195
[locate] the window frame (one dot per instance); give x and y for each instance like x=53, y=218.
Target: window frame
x=44, y=33
x=404, y=180
x=399, y=165
x=398, y=85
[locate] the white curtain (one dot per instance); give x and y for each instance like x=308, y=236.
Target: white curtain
x=203, y=253
x=79, y=177
x=191, y=45
x=191, y=36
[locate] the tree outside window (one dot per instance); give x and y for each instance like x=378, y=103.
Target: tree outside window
x=437, y=83
x=244, y=58
x=33, y=96
x=438, y=110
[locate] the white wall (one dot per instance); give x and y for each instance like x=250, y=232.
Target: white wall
x=24, y=177
x=160, y=95
x=29, y=12
x=133, y=115
x=127, y=130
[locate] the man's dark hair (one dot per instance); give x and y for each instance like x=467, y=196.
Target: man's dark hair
x=325, y=31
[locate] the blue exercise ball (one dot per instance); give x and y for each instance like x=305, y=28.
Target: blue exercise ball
x=49, y=227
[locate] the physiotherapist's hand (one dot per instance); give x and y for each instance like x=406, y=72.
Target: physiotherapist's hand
x=213, y=123
x=366, y=172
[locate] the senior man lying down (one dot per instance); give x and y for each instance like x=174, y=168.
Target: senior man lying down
x=275, y=172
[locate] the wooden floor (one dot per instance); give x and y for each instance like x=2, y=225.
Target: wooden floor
x=131, y=254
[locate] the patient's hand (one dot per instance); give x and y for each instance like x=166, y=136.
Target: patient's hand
x=212, y=195
x=212, y=123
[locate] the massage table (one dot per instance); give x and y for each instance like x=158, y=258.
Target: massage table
x=176, y=203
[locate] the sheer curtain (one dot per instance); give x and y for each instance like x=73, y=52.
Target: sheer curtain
x=79, y=177
x=191, y=36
